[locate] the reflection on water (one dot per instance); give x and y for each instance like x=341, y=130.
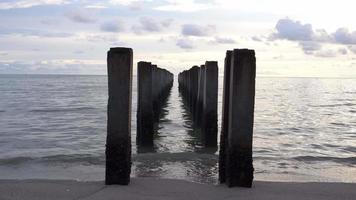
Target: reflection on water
x=188, y=159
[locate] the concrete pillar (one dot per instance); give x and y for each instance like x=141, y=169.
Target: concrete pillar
x=118, y=141
x=239, y=167
x=145, y=116
x=225, y=117
x=210, y=104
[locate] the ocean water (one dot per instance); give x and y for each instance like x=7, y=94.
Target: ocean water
x=54, y=127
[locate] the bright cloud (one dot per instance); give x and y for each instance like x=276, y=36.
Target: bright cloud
x=30, y=3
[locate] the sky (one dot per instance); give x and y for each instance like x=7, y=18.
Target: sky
x=291, y=38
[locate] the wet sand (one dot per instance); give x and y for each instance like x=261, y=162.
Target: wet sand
x=152, y=188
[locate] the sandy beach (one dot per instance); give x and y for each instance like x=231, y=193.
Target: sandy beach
x=151, y=188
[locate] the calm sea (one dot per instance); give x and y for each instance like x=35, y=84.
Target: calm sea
x=54, y=127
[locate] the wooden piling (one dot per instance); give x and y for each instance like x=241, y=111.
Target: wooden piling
x=154, y=85
x=224, y=118
x=210, y=104
x=239, y=166
x=118, y=141
x=145, y=115
x=199, y=89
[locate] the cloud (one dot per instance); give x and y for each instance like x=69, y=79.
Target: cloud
x=309, y=47
x=311, y=41
x=148, y=24
x=326, y=53
x=198, y=30
x=35, y=32
x=80, y=16
x=2, y=53
x=256, y=39
x=222, y=40
x=293, y=30
x=185, y=43
x=29, y=3
x=50, y=22
x=111, y=39
x=96, y=6
x=343, y=36
x=185, y=6
x=113, y=26
x=126, y=2
x=352, y=48
x=342, y=51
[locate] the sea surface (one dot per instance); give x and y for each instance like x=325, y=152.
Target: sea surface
x=54, y=127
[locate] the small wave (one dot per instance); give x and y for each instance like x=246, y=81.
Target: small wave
x=62, y=109
x=333, y=105
x=339, y=124
x=350, y=149
x=87, y=159
x=15, y=160
x=1, y=111
x=84, y=159
x=175, y=157
x=344, y=160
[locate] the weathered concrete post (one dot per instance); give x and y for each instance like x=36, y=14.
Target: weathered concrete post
x=118, y=141
x=145, y=116
x=239, y=167
x=225, y=118
x=210, y=104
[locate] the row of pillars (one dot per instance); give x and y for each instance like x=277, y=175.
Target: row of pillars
x=196, y=84
x=154, y=85
x=199, y=88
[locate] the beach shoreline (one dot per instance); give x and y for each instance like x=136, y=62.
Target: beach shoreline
x=154, y=188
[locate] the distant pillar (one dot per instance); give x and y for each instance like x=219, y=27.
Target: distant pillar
x=239, y=167
x=194, y=90
x=156, y=88
x=118, y=141
x=199, y=106
x=210, y=104
x=145, y=115
x=225, y=118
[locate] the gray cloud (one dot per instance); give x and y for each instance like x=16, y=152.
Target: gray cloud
x=309, y=47
x=342, y=51
x=256, y=38
x=80, y=16
x=352, y=48
x=198, y=30
x=293, y=30
x=343, y=36
x=223, y=40
x=311, y=41
x=185, y=43
x=148, y=24
x=112, y=26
